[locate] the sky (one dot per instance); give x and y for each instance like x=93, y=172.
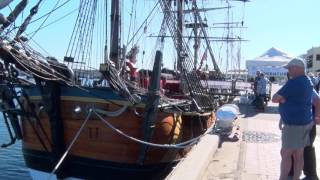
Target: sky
x=290, y=25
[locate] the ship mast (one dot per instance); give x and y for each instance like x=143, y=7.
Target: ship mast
x=106, y=57
x=204, y=32
x=179, y=32
x=115, y=33
x=196, y=42
x=195, y=26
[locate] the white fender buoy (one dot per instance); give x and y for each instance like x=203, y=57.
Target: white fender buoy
x=226, y=115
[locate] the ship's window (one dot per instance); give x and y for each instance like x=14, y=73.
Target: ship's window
x=318, y=57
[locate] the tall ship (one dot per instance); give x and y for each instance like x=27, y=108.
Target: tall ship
x=92, y=114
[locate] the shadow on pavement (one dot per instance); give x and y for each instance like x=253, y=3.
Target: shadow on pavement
x=272, y=110
x=228, y=135
x=248, y=110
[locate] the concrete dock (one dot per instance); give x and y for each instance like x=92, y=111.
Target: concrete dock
x=255, y=156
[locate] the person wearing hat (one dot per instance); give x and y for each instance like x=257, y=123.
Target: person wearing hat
x=309, y=154
x=294, y=100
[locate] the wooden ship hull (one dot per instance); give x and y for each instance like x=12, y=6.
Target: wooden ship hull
x=101, y=152
x=121, y=131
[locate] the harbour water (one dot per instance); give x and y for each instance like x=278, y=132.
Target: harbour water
x=12, y=166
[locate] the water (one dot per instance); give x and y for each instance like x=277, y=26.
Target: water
x=12, y=166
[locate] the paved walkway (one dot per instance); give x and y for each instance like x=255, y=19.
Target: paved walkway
x=256, y=156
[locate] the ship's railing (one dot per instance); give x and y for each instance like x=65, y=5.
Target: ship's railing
x=232, y=88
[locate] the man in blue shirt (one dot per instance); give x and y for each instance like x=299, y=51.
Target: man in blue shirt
x=294, y=100
x=309, y=154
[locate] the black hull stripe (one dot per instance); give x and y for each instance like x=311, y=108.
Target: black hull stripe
x=86, y=168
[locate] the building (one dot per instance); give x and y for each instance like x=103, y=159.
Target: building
x=271, y=63
x=313, y=60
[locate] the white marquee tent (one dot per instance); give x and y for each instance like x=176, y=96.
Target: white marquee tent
x=271, y=63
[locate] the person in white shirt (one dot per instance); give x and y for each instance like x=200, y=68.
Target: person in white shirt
x=261, y=91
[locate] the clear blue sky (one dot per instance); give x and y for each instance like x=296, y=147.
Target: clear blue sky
x=290, y=25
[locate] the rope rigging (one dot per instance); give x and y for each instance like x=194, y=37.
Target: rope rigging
x=80, y=46
x=80, y=50
x=53, y=22
x=195, y=88
x=143, y=23
x=23, y=27
x=50, y=12
x=79, y=53
x=47, y=17
x=9, y=30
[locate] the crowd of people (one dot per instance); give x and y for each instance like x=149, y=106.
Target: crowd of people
x=299, y=107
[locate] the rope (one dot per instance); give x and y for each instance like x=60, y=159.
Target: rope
x=195, y=88
x=114, y=113
x=74, y=31
x=47, y=14
x=130, y=22
x=23, y=27
x=177, y=146
x=143, y=23
x=62, y=17
x=16, y=27
x=70, y=146
x=47, y=17
x=83, y=46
